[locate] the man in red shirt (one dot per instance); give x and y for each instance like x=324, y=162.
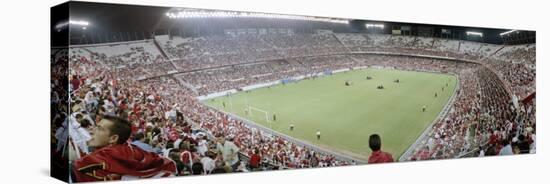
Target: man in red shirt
x=255, y=160
x=115, y=159
x=377, y=155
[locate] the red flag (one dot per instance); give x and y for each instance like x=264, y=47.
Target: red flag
x=122, y=161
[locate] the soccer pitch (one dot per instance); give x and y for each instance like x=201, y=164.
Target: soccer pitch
x=347, y=115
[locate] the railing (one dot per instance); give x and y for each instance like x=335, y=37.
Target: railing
x=162, y=52
x=110, y=43
x=472, y=152
x=243, y=157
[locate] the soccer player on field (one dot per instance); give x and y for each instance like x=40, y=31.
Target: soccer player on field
x=318, y=135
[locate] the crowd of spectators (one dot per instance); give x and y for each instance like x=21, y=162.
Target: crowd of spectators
x=514, y=64
x=481, y=117
x=168, y=120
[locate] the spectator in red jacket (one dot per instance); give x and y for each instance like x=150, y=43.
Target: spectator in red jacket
x=115, y=159
x=378, y=156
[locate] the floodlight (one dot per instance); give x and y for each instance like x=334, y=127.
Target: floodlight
x=474, y=33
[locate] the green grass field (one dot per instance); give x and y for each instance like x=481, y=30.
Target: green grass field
x=347, y=115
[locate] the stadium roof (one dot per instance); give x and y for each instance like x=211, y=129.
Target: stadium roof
x=102, y=22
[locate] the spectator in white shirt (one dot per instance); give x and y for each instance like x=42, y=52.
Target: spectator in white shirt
x=229, y=151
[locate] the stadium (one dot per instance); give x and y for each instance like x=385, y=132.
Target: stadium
x=286, y=91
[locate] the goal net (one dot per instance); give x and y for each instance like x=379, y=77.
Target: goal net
x=257, y=112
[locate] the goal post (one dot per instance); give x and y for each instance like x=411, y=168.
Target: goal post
x=255, y=110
